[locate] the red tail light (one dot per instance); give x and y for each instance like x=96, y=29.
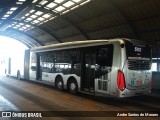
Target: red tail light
x=121, y=81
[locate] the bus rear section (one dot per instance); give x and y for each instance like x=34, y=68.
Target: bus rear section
x=135, y=76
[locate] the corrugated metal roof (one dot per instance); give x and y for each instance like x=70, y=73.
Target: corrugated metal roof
x=42, y=22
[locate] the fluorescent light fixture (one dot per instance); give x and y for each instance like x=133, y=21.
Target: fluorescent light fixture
x=23, y=12
x=19, y=3
x=29, y=19
x=9, y=12
x=43, y=2
x=18, y=25
x=68, y=4
x=21, y=0
x=31, y=11
x=34, y=1
x=39, y=13
x=41, y=19
x=38, y=5
x=46, y=16
x=51, y=5
x=47, y=8
x=13, y=8
x=21, y=23
x=60, y=8
x=6, y=16
x=22, y=17
x=58, y=1
x=27, y=14
x=28, y=25
x=24, y=27
x=36, y=21
x=33, y=16
x=76, y=0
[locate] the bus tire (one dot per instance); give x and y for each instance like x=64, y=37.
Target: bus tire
x=59, y=83
x=18, y=75
x=73, y=86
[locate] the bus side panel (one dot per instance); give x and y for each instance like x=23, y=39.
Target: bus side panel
x=115, y=67
x=26, y=64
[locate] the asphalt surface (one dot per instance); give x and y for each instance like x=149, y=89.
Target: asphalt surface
x=24, y=96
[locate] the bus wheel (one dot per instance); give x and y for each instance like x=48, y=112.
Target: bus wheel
x=59, y=83
x=73, y=86
x=18, y=75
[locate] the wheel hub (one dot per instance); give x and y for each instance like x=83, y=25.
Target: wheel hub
x=72, y=86
x=59, y=85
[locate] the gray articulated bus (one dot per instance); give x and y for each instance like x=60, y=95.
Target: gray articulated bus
x=116, y=67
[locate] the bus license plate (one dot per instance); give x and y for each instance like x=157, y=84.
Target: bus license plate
x=139, y=82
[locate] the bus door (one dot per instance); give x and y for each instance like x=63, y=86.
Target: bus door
x=38, y=68
x=103, y=66
x=88, y=68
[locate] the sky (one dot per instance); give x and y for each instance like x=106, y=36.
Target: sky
x=10, y=47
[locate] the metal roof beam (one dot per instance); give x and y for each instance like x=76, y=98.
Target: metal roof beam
x=21, y=8
x=69, y=22
x=38, y=27
x=29, y=35
x=5, y=7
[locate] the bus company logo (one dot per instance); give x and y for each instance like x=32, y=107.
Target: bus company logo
x=6, y=114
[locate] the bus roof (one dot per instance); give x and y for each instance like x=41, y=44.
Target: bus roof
x=79, y=44
x=76, y=44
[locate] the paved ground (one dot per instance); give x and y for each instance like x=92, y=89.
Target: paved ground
x=19, y=95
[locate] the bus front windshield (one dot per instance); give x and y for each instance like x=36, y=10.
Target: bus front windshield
x=135, y=51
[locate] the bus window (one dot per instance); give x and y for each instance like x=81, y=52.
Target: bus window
x=68, y=61
x=134, y=51
x=47, y=62
x=104, y=55
x=33, y=62
x=139, y=57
